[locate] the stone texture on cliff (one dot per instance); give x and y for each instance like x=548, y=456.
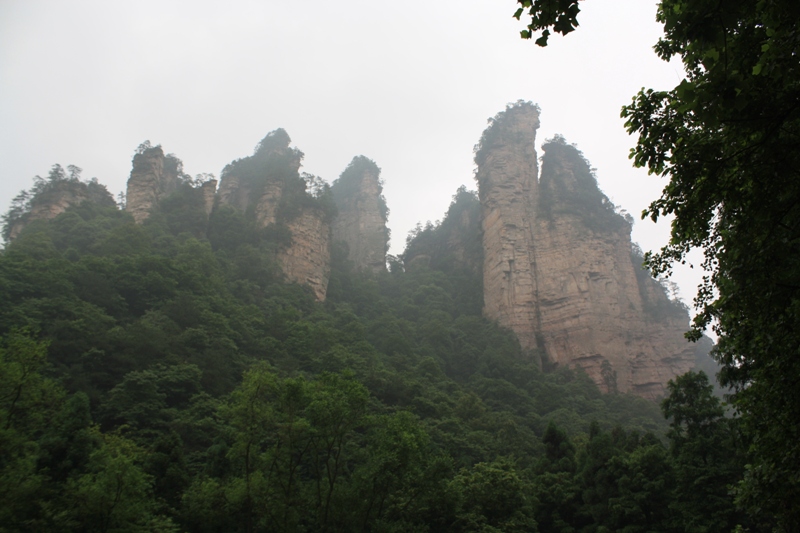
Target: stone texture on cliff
x=361, y=218
x=151, y=180
x=507, y=186
x=257, y=183
x=268, y=189
x=307, y=261
x=209, y=192
x=558, y=269
x=55, y=197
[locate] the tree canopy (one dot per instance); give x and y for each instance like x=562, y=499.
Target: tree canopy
x=727, y=137
x=163, y=377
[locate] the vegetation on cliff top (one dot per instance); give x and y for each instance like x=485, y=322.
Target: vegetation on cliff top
x=45, y=192
x=348, y=184
x=568, y=185
x=498, y=130
x=274, y=161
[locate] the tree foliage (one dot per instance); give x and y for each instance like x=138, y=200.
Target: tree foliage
x=728, y=139
x=162, y=377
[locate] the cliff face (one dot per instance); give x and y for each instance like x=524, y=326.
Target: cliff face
x=308, y=260
x=153, y=178
x=53, y=198
x=361, y=218
x=507, y=187
x=257, y=183
x=267, y=186
x=558, y=269
x=209, y=192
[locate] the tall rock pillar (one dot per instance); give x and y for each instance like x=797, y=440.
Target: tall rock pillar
x=559, y=269
x=152, y=178
x=508, y=191
x=362, y=213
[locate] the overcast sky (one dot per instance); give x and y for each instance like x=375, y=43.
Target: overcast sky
x=408, y=84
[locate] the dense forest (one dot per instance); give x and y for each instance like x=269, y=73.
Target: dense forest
x=164, y=377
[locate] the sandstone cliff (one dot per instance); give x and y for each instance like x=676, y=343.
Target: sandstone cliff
x=153, y=178
x=362, y=213
x=209, y=191
x=558, y=267
x=52, y=196
x=269, y=190
x=307, y=260
x=507, y=186
x=256, y=184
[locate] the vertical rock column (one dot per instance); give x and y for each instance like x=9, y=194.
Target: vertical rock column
x=361, y=220
x=144, y=183
x=209, y=190
x=507, y=178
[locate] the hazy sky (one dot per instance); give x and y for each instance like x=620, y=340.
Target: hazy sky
x=408, y=84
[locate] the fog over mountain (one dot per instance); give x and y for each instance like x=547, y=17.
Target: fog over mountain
x=410, y=87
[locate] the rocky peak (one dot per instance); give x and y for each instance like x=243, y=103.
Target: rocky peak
x=268, y=187
x=154, y=177
x=257, y=183
x=558, y=265
x=507, y=179
x=362, y=214
x=50, y=197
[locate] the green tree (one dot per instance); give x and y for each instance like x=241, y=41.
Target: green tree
x=728, y=139
x=492, y=498
x=706, y=455
x=27, y=400
x=114, y=494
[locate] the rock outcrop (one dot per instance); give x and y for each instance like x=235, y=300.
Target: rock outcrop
x=267, y=186
x=558, y=266
x=307, y=260
x=52, y=196
x=153, y=178
x=362, y=213
x=209, y=191
x=507, y=186
x=257, y=183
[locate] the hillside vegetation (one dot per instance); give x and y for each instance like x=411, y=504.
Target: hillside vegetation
x=165, y=377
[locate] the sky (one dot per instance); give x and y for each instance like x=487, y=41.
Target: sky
x=408, y=84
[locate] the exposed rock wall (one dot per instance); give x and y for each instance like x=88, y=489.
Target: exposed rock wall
x=232, y=193
x=361, y=218
x=209, y=191
x=262, y=197
x=594, y=310
x=55, y=198
x=507, y=186
x=257, y=183
x=267, y=186
x=150, y=181
x=307, y=261
x=558, y=269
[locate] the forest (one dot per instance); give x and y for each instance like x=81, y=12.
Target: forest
x=164, y=377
